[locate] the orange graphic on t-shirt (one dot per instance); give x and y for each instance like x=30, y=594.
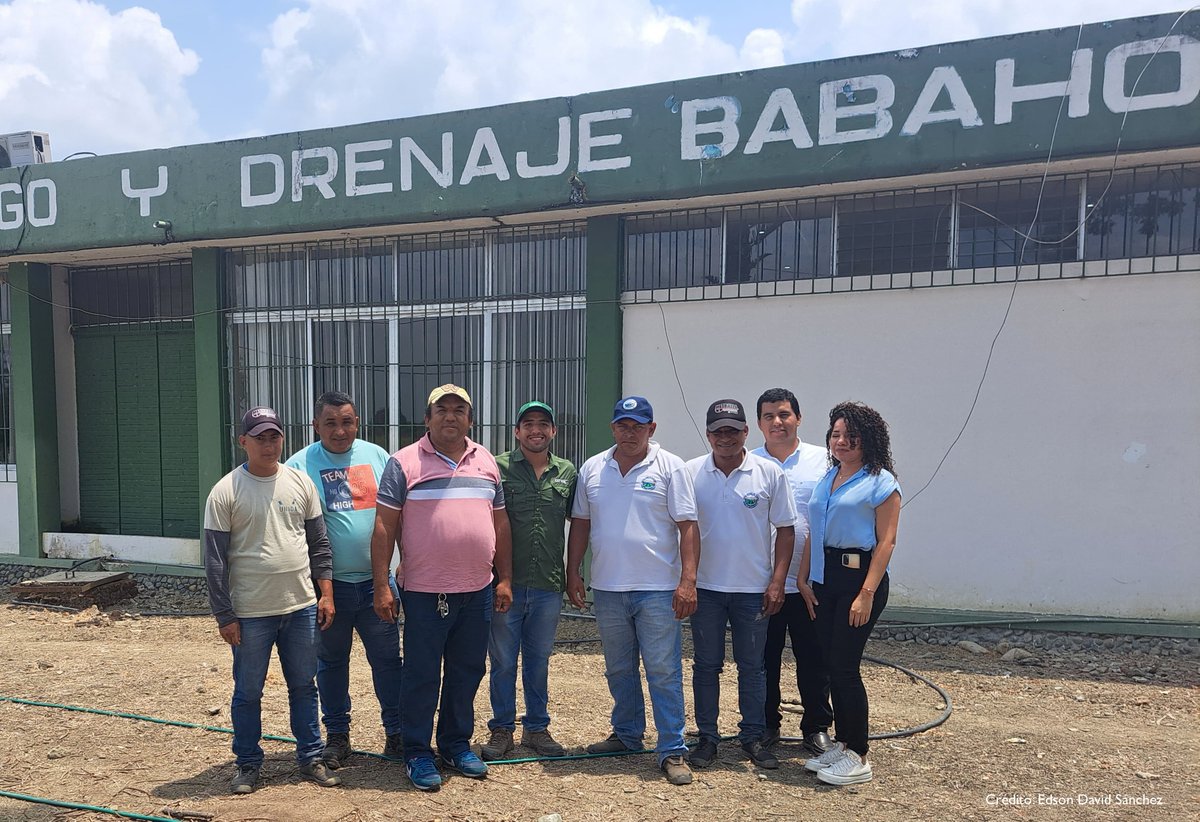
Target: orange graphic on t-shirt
x=361, y=479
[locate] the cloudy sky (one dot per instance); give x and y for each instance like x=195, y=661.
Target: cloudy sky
x=113, y=76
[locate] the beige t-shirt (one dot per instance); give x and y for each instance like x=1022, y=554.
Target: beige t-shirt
x=268, y=553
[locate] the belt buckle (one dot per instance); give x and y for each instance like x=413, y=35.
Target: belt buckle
x=850, y=560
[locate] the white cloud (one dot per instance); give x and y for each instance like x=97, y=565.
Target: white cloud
x=94, y=80
x=342, y=61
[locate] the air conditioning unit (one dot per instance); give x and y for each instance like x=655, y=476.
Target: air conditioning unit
x=24, y=148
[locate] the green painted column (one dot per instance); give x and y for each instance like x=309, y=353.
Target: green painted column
x=602, y=369
x=212, y=434
x=35, y=405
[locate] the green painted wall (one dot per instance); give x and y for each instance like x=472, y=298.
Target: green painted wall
x=781, y=127
x=138, y=433
x=211, y=408
x=602, y=369
x=35, y=407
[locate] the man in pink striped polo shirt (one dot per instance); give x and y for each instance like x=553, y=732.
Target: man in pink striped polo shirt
x=442, y=500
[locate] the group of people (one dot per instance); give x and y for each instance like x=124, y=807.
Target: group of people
x=789, y=539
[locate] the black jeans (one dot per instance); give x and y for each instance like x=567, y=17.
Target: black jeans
x=843, y=645
x=811, y=678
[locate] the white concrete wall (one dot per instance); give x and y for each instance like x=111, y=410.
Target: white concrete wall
x=152, y=550
x=8, y=518
x=1075, y=487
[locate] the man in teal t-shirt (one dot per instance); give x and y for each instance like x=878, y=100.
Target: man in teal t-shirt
x=346, y=471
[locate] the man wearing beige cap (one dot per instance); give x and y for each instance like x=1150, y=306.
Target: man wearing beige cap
x=443, y=499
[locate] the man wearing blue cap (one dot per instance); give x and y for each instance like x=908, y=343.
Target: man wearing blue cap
x=636, y=504
x=539, y=489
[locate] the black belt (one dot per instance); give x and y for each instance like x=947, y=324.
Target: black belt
x=850, y=557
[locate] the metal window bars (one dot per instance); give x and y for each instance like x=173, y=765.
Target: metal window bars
x=498, y=311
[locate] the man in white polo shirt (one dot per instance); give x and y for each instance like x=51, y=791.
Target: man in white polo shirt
x=803, y=464
x=739, y=499
x=635, y=502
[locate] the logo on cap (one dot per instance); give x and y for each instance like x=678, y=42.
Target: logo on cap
x=629, y=405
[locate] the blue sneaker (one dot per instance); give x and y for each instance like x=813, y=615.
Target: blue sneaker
x=423, y=773
x=468, y=764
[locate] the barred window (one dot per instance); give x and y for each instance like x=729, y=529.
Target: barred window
x=1143, y=212
x=1018, y=222
x=896, y=231
x=131, y=294
x=499, y=312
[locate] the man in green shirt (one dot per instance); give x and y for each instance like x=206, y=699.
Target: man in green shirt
x=539, y=489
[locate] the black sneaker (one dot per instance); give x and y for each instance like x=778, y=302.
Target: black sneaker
x=245, y=779
x=394, y=748
x=817, y=743
x=337, y=750
x=704, y=753
x=760, y=756
x=770, y=738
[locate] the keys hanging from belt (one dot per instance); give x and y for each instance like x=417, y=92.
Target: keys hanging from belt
x=443, y=607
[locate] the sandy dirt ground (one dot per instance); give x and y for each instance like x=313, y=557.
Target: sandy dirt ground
x=1024, y=741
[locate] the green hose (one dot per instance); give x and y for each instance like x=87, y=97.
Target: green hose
x=79, y=806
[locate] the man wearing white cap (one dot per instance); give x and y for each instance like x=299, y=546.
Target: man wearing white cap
x=635, y=502
x=264, y=545
x=442, y=498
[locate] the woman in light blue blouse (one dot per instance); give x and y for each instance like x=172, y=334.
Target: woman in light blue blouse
x=853, y=513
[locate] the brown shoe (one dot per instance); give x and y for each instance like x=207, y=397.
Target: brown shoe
x=500, y=743
x=542, y=743
x=677, y=770
x=611, y=745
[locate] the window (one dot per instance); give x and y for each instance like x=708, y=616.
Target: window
x=127, y=295
x=784, y=241
x=893, y=232
x=388, y=319
x=1018, y=222
x=1143, y=213
x=673, y=250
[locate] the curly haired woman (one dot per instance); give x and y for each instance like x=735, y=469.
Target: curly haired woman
x=854, y=513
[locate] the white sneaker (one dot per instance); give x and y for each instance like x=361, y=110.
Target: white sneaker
x=849, y=770
x=837, y=752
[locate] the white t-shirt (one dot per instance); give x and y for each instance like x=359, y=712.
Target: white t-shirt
x=634, y=536
x=803, y=469
x=269, y=571
x=737, y=514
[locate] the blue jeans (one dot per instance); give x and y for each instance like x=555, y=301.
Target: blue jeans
x=748, y=624
x=528, y=628
x=295, y=635
x=456, y=643
x=355, y=611
x=634, y=623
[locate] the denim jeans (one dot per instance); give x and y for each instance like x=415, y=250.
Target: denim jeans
x=528, y=628
x=843, y=648
x=295, y=635
x=355, y=611
x=643, y=623
x=456, y=643
x=812, y=681
x=748, y=625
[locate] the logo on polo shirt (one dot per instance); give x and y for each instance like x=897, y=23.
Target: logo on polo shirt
x=649, y=485
x=750, y=500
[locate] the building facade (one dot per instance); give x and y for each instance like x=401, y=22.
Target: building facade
x=996, y=243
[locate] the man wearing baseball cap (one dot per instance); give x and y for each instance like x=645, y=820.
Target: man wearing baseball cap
x=264, y=546
x=635, y=503
x=539, y=488
x=443, y=498
x=740, y=499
